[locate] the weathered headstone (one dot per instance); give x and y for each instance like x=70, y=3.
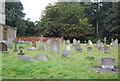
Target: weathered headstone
x=15, y=50
x=89, y=42
x=21, y=47
x=31, y=48
x=106, y=49
x=74, y=41
x=3, y=47
x=27, y=43
x=42, y=57
x=107, y=63
x=41, y=48
x=21, y=53
x=115, y=43
x=98, y=44
x=89, y=48
x=90, y=57
x=78, y=48
x=24, y=58
x=33, y=44
x=55, y=47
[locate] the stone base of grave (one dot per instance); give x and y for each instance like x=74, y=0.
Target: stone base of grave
x=15, y=50
x=5, y=52
x=106, y=70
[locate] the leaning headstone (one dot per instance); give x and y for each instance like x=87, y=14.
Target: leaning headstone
x=33, y=44
x=54, y=47
x=42, y=57
x=24, y=58
x=21, y=53
x=107, y=63
x=89, y=48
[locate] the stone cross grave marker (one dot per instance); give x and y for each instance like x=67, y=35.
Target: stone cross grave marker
x=107, y=63
x=42, y=57
x=54, y=47
x=105, y=40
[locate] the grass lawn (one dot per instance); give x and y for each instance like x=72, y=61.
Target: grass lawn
x=74, y=67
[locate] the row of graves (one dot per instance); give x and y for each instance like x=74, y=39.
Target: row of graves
x=107, y=64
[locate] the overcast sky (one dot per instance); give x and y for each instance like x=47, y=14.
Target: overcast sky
x=33, y=8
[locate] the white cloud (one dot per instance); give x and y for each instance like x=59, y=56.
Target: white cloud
x=34, y=8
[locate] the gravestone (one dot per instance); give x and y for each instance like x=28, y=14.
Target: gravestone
x=89, y=48
x=78, y=41
x=106, y=49
x=67, y=51
x=65, y=55
x=15, y=42
x=68, y=41
x=78, y=48
x=74, y=41
x=27, y=43
x=54, y=47
x=104, y=40
x=33, y=44
x=31, y=48
x=3, y=47
x=90, y=57
x=24, y=58
x=98, y=44
x=21, y=53
x=42, y=57
x=89, y=42
x=21, y=47
x=41, y=48
x=107, y=63
x=115, y=43
x=48, y=43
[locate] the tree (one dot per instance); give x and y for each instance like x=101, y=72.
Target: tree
x=64, y=19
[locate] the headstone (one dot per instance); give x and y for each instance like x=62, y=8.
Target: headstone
x=89, y=48
x=74, y=41
x=68, y=48
x=68, y=41
x=98, y=44
x=27, y=43
x=78, y=42
x=54, y=47
x=15, y=50
x=48, y=43
x=21, y=53
x=115, y=43
x=21, y=47
x=3, y=47
x=106, y=49
x=31, y=48
x=33, y=44
x=24, y=58
x=105, y=40
x=67, y=52
x=107, y=63
x=90, y=57
x=42, y=57
x=65, y=55
x=78, y=48
x=89, y=42
x=41, y=48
